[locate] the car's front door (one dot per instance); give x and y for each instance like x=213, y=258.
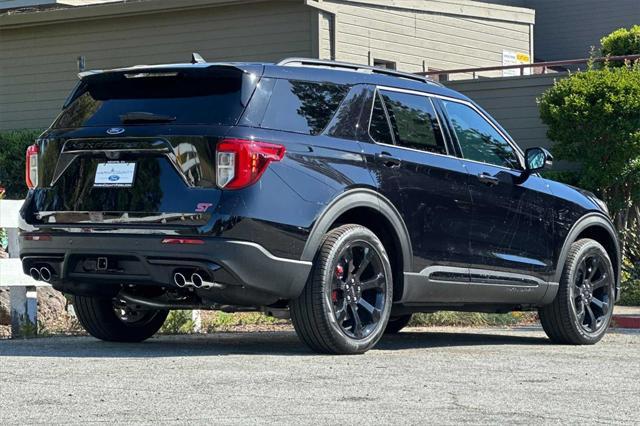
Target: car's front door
x=511, y=233
x=429, y=188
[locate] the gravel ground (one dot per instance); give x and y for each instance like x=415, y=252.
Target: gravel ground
x=442, y=376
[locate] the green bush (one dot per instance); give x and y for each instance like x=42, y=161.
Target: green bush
x=178, y=322
x=622, y=42
x=594, y=120
x=471, y=319
x=630, y=284
x=13, y=146
x=222, y=321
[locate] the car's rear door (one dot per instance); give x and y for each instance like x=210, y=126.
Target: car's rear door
x=409, y=150
x=511, y=233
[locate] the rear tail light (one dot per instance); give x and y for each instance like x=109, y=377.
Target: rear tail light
x=240, y=162
x=31, y=172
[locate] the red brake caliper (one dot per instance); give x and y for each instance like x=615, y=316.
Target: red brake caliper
x=339, y=274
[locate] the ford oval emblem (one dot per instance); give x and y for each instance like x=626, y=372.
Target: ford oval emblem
x=115, y=131
x=114, y=178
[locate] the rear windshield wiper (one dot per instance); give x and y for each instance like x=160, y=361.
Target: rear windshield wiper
x=145, y=117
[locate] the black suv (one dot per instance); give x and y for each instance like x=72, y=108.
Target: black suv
x=344, y=196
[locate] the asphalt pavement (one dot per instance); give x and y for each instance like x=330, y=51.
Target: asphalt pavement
x=423, y=376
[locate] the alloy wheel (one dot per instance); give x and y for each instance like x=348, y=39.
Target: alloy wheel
x=592, y=293
x=358, y=290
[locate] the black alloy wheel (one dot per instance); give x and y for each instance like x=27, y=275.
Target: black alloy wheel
x=345, y=305
x=583, y=307
x=358, y=292
x=592, y=293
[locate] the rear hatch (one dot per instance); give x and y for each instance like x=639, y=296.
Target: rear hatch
x=137, y=146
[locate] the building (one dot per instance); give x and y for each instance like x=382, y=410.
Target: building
x=568, y=29
x=43, y=42
x=564, y=30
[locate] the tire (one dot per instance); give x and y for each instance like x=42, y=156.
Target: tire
x=582, y=310
x=396, y=324
x=345, y=306
x=98, y=317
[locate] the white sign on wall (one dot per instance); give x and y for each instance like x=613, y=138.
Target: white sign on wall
x=510, y=57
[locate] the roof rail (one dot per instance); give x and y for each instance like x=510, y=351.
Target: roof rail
x=307, y=62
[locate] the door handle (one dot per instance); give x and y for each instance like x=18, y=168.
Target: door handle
x=488, y=180
x=388, y=160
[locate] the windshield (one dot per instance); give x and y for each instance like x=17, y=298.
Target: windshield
x=211, y=96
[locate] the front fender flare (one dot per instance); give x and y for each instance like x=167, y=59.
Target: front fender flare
x=586, y=221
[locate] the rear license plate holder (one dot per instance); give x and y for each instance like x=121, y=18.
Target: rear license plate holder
x=115, y=174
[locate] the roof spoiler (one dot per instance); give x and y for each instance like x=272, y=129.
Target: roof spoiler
x=196, y=59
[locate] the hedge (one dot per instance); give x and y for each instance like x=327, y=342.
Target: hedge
x=13, y=146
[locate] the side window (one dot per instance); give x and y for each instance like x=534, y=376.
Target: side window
x=413, y=121
x=302, y=106
x=379, y=126
x=478, y=139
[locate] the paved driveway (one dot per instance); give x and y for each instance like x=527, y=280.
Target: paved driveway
x=421, y=376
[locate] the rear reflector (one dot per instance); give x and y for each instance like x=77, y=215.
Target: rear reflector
x=193, y=241
x=240, y=162
x=31, y=172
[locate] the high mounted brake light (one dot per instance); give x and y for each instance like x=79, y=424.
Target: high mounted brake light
x=240, y=162
x=31, y=172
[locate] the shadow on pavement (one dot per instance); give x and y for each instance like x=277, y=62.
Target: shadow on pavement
x=282, y=343
x=439, y=339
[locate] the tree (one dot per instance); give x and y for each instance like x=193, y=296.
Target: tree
x=622, y=42
x=594, y=120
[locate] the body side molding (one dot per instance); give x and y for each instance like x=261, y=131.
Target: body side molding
x=446, y=285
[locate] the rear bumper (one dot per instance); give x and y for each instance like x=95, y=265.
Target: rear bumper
x=145, y=260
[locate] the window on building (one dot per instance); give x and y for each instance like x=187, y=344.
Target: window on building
x=414, y=121
x=478, y=139
x=302, y=106
x=442, y=78
x=384, y=64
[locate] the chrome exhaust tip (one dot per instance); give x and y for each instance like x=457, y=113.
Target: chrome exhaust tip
x=197, y=280
x=45, y=274
x=35, y=274
x=179, y=279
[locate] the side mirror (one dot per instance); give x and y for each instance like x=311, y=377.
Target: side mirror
x=537, y=159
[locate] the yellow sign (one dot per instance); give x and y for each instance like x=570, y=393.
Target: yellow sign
x=510, y=57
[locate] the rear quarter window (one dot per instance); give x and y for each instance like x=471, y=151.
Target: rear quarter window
x=302, y=106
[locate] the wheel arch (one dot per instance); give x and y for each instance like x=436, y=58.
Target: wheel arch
x=368, y=208
x=599, y=228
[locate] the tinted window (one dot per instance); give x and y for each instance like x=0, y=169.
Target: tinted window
x=414, y=121
x=478, y=139
x=302, y=106
x=379, y=126
x=212, y=96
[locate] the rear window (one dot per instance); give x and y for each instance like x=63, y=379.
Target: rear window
x=212, y=96
x=302, y=106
